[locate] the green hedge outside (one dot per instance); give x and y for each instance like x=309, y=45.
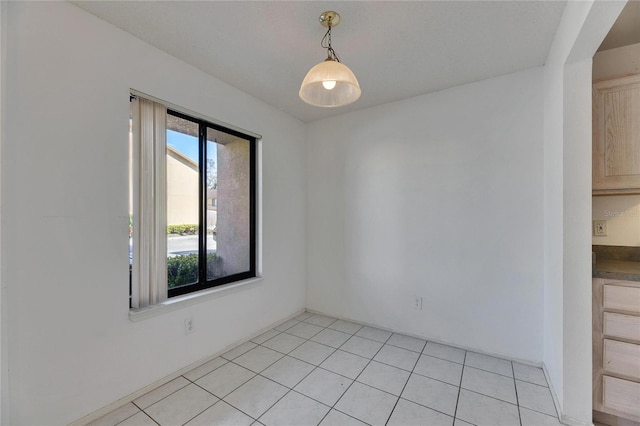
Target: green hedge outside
x=188, y=229
x=182, y=270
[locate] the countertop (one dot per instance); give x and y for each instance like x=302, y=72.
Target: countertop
x=616, y=263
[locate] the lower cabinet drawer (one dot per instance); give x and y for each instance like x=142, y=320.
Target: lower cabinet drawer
x=622, y=298
x=621, y=358
x=621, y=326
x=621, y=395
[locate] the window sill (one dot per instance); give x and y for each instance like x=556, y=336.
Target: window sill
x=180, y=302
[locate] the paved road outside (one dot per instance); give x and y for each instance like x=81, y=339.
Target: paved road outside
x=182, y=244
x=186, y=244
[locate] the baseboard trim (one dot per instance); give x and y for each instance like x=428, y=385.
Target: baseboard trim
x=137, y=394
x=442, y=342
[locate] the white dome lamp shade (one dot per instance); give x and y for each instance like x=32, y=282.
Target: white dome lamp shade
x=330, y=83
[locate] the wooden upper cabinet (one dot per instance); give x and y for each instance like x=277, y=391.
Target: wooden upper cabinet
x=616, y=135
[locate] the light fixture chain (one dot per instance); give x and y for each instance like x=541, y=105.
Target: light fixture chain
x=326, y=44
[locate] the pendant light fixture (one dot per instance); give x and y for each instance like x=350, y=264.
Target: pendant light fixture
x=330, y=83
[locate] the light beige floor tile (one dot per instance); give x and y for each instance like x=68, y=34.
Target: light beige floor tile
x=257, y=359
x=483, y=410
x=431, y=393
x=397, y=357
x=205, y=369
x=367, y=404
x=384, y=377
x=288, y=371
x=336, y=418
x=534, y=418
x=320, y=320
x=534, y=397
x=374, y=334
x=305, y=330
x=181, y=406
x=346, y=326
x=140, y=419
x=360, y=346
x=489, y=384
x=530, y=374
x=344, y=363
x=238, y=350
x=324, y=386
x=295, y=409
x=161, y=392
x=284, y=343
x=287, y=325
x=332, y=338
x=445, y=352
x=407, y=342
x=265, y=336
x=312, y=352
x=408, y=413
x=225, y=379
x=256, y=396
x=439, y=369
x=489, y=363
x=221, y=414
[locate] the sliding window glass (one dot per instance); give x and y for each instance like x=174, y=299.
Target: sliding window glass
x=192, y=204
x=211, y=192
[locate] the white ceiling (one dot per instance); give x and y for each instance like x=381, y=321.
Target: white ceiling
x=396, y=49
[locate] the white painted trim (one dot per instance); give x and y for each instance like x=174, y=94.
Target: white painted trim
x=4, y=369
x=537, y=364
x=194, y=114
x=566, y=420
x=554, y=396
x=194, y=298
x=137, y=394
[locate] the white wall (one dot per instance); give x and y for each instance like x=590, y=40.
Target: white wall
x=72, y=348
x=438, y=196
x=567, y=203
x=3, y=311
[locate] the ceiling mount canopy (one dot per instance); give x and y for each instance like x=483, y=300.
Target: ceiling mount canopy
x=330, y=83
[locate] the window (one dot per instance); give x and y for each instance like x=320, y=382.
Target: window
x=193, y=204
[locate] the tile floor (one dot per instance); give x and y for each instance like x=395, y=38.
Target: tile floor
x=316, y=370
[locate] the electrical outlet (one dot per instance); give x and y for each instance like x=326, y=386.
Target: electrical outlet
x=599, y=228
x=188, y=326
x=417, y=303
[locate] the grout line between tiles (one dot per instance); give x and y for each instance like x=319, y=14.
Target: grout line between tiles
x=134, y=414
x=516, y=389
x=408, y=378
x=196, y=414
x=455, y=412
x=354, y=380
x=321, y=328
x=292, y=388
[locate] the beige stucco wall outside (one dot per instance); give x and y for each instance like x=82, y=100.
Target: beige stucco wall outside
x=182, y=189
x=233, y=208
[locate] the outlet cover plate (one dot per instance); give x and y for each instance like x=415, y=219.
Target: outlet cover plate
x=188, y=326
x=417, y=302
x=599, y=228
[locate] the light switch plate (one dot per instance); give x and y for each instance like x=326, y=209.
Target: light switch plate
x=599, y=228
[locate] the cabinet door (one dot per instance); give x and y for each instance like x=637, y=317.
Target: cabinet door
x=616, y=134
